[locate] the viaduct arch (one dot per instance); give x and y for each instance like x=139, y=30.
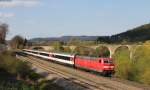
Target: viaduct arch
x=111, y=47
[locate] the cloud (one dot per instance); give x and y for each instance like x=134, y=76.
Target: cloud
x=6, y=15
x=18, y=3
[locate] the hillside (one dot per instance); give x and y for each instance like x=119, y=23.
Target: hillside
x=139, y=34
x=65, y=38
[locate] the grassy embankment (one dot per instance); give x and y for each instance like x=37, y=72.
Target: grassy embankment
x=18, y=75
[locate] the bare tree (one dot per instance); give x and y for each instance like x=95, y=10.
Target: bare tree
x=17, y=42
x=74, y=41
x=3, y=32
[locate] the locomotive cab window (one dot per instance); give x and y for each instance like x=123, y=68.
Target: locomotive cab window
x=108, y=61
x=100, y=61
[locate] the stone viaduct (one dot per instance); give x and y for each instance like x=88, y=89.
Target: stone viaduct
x=111, y=47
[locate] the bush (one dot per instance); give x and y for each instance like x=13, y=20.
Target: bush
x=23, y=69
x=8, y=62
x=84, y=51
x=67, y=50
x=122, y=63
x=145, y=77
x=142, y=63
x=137, y=69
x=15, y=85
x=102, y=51
x=10, y=67
x=34, y=76
x=49, y=85
x=58, y=47
x=15, y=67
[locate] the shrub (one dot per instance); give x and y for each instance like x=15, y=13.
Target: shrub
x=10, y=67
x=16, y=67
x=137, y=69
x=8, y=62
x=102, y=51
x=142, y=63
x=145, y=77
x=122, y=63
x=49, y=85
x=84, y=51
x=23, y=69
x=34, y=76
x=67, y=50
x=58, y=47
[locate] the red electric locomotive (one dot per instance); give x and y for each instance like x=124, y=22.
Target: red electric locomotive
x=102, y=65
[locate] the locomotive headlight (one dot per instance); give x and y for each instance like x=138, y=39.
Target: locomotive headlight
x=106, y=66
x=111, y=66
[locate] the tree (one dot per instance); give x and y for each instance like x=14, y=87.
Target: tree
x=74, y=41
x=58, y=46
x=102, y=51
x=122, y=63
x=23, y=69
x=33, y=76
x=25, y=42
x=103, y=39
x=17, y=42
x=67, y=50
x=141, y=71
x=3, y=32
x=84, y=51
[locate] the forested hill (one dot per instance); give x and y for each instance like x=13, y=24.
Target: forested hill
x=138, y=34
x=65, y=38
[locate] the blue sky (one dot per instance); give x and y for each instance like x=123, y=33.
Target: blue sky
x=50, y=18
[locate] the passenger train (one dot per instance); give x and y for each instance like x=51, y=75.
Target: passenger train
x=103, y=65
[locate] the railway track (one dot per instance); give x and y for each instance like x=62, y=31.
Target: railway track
x=84, y=79
x=66, y=76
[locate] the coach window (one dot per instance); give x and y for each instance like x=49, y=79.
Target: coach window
x=62, y=57
x=108, y=61
x=44, y=54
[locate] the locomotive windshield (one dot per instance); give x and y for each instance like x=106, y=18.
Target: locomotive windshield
x=108, y=61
